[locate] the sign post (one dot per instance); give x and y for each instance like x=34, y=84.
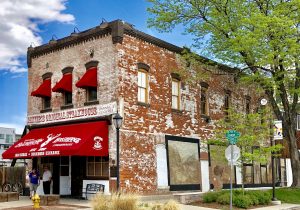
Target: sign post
x=232, y=136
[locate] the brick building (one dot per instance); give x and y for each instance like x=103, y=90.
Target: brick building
x=77, y=83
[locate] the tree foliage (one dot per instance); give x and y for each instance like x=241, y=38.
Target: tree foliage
x=260, y=37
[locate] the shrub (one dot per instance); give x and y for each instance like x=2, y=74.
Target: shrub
x=171, y=205
x=224, y=199
x=262, y=197
x=115, y=202
x=124, y=202
x=211, y=197
x=242, y=201
x=101, y=202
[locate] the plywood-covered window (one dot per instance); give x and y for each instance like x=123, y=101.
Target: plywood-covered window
x=204, y=99
x=143, y=86
x=175, y=94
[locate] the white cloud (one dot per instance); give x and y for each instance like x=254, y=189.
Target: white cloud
x=18, y=122
x=19, y=22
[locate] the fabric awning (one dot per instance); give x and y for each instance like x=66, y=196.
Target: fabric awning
x=83, y=139
x=64, y=85
x=44, y=90
x=89, y=79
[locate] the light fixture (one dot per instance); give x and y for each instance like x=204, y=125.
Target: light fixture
x=103, y=23
x=53, y=40
x=118, y=120
x=75, y=32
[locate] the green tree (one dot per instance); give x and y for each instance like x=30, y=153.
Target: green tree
x=254, y=141
x=260, y=37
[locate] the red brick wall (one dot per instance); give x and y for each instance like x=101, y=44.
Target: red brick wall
x=145, y=126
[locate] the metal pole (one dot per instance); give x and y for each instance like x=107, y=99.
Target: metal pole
x=231, y=166
x=118, y=161
x=272, y=164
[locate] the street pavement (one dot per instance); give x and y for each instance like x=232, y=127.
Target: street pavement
x=73, y=204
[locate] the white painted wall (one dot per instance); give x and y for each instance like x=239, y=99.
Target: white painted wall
x=289, y=174
x=205, y=175
x=104, y=182
x=238, y=175
x=161, y=166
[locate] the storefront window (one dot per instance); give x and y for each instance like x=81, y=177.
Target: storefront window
x=97, y=166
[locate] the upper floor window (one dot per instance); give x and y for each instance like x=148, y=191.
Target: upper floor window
x=204, y=99
x=142, y=86
x=89, y=82
x=91, y=94
x=46, y=103
x=247, y=105
x=175, y=94
x=44, y=91
x=64, y=86
x=1, y=136
x=227, y=99
x=9, y=138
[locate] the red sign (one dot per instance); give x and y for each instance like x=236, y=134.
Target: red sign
x=83, y=139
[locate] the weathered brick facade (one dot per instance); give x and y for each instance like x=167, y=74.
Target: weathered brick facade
x=118, y=48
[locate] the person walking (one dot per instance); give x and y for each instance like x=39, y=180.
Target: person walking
x=47, y=176
x=34, y=178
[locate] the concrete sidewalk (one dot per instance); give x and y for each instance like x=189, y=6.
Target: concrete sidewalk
x=84, y=204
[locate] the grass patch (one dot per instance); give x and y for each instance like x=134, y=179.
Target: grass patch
x=288, y=195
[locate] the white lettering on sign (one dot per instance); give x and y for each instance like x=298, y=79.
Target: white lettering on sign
x=73, y=114
x=29, y=142
x=68, y=139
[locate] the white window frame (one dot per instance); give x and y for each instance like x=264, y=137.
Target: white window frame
x=143, y=86
x=298, y=122
x=176, y=93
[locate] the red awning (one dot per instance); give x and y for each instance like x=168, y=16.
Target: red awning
x=84, y=139
x=89, y=79
x=64, y=85
x=44, y=90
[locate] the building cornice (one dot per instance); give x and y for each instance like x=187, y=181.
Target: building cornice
x=116, y=29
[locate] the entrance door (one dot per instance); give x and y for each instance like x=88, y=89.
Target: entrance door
x=78, y=165
x=65, y=176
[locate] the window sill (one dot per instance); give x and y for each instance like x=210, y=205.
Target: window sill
x=88, y=103
x=68, y=106
x=143, y=104
x=97, y=177
x=177, y=111
x=46, y=110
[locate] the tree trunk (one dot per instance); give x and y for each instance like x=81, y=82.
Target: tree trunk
x=294, y=154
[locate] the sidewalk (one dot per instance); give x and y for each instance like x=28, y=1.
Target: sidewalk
x=84, y=204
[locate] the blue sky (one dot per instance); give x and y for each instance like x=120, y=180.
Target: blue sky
x=38, y=21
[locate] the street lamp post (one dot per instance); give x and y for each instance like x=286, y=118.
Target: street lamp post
x=264, y=102
x=118, y=120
